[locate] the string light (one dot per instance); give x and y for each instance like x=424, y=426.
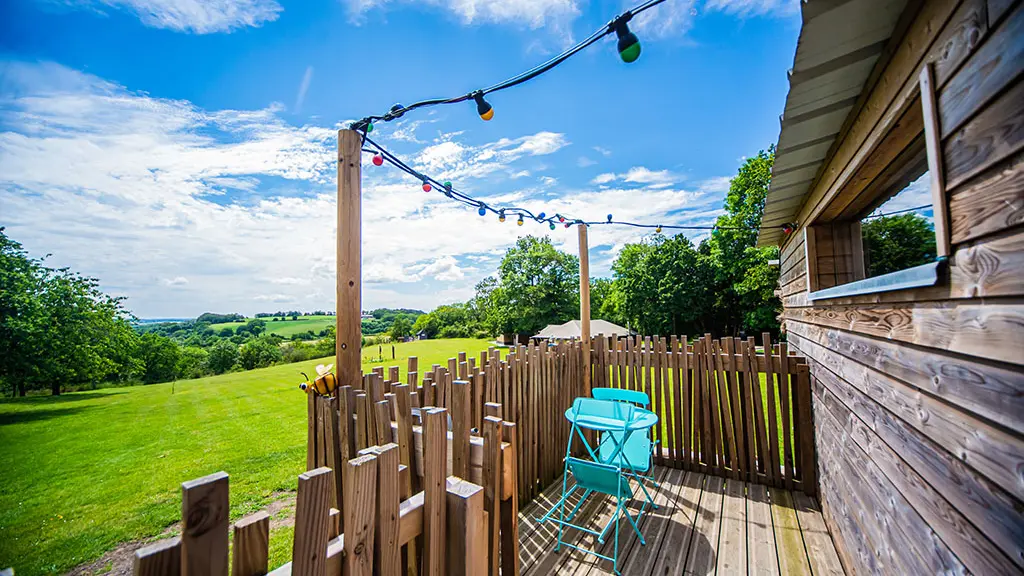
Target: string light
x=483, y=108
x=521, y=213
x=378, y=160
x=426, y=186
x=658, y=229
x=628, y=47
x=787, y=229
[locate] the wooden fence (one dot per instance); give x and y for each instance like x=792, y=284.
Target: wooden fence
x=433, y=470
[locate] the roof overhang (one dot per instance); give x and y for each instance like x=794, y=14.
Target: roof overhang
x=840, y=44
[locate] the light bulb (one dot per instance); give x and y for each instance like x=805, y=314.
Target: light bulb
x=378, y=159
x=629, y=45
x=482, y=211
x=426, y=186
x=658, y=230
x=609, y=218
x=369, y=127
x=551, y=225
x=483, y=108
x=520, y=221
x=540, y=216
x=501, y=215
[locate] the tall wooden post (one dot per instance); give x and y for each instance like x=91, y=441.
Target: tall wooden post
x=585, y=303
x=349, y=271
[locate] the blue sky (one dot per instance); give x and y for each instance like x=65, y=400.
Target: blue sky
x=183, y=152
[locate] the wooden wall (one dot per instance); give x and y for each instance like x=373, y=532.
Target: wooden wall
x=919, y=394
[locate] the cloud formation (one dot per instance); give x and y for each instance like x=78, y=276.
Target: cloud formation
x=187, y=210
x=194, y=16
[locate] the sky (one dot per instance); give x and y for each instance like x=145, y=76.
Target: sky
x=184, y=151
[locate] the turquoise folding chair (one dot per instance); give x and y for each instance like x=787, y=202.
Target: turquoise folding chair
x=638, y=449
x=606, y=479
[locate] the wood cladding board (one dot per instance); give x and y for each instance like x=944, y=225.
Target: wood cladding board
x=918, y=394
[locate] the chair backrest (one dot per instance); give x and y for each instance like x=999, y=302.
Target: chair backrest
x=598, y=477
x=602, y=409
x=622, y=395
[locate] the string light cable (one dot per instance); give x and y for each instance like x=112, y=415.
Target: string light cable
x=628, y=47
x=429, y=184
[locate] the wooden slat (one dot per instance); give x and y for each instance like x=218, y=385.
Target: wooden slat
x=312, y=505
x=681, y=538
x=760, y=533
x=991, y=202
x=791, y=552
x=995, y=134
x=161, y=558
x=820, y=551
x=787, y=422
x=702, y=559
x=728, y=430
x=467, y=534
x=492, y=490
x=387, y=552
x=805, y=430
x=250, y=546
x=510, y=565
x=732, y=545
x=772, y=455
x=985, y=330
x=435, y=425
x=204, y=531
x=750, y=385
x=460, y=428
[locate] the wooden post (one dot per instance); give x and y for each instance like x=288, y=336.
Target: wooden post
x=510, y=509
x=435, y=483
x=360, y=511
x=312, y=506
x=204, y=535
x=348, y=323
x=161, y=558
x=492, y=489
x=252, y=539
x=585, y=304
x=467, y=534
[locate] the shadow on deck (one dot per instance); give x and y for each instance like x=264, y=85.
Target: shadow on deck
x=704, y=525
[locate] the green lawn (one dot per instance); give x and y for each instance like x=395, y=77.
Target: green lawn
x=85, y=471
x=288, y=327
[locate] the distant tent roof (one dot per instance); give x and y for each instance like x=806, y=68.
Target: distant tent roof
x=571, y=329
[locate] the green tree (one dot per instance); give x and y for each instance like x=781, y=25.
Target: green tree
x=192, y=362
x=223, y=357
x=159, y=356
x=256, y=327
x=259, y=353
x=893, y=243
x=226, y=332
x=328, y=342
x=536, y=285
x=400, y=329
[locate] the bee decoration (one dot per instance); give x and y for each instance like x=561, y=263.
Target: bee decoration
x=325, y=381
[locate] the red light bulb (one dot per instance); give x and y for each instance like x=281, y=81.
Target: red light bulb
x=561, y=218
x=426, y=186
x=378, y=160
x=567, y=224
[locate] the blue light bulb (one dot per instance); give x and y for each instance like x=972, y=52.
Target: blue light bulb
x=482, y=211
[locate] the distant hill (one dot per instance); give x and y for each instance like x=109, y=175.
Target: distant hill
x=161, y=320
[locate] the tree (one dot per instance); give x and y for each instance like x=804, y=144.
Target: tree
x=255, y=327
x=222, y=357
x=259, y=353
x=537, y=285
x=400, y=329
x=192, y=362
x=57, y=327
x=893, y=243
x=226, y=332
x=159, y=356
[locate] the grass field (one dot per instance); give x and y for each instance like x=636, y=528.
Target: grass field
x=286, y=328
x=85, y=471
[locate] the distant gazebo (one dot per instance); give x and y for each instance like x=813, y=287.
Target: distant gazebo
x=571, y=329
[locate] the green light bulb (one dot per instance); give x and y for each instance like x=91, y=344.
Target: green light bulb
x=629, y=45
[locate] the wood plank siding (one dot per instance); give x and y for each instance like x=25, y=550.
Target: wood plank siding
x=918, y=395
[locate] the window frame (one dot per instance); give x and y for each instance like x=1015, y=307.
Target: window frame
x=849, y=232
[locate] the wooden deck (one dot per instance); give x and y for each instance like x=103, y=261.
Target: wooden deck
x=704, y=525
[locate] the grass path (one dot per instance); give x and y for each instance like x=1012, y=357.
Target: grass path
x=85, y=471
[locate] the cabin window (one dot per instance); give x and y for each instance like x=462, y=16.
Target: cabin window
x=879, y=232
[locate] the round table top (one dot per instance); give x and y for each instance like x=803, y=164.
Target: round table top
x=642, y=418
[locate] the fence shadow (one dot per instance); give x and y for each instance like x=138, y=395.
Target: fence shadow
x=27, y=416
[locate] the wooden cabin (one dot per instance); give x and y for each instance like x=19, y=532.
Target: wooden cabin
x=917, y=374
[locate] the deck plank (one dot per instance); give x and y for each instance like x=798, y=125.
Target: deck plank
x=629, y=544
x=760, y=533
x=732, y=545
x=704, y=525
x=820, y=550
x=788, y=540
x=673, y=550
x=703, y=559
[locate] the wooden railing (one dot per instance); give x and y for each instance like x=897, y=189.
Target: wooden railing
x=437, y=496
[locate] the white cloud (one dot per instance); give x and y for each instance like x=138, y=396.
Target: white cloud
x=640, y=175
x=674, y=19
x=150, y=189
x=531, y=14
x=584, y=162
x=747, y=8
x=307, y=77
x=603, y=151
x=196, y=16
x=176, y=281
